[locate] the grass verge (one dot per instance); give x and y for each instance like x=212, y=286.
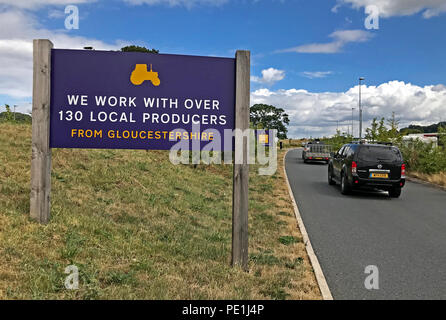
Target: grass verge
x=138, y=227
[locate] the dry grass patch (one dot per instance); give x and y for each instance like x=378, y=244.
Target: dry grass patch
x=436, y=178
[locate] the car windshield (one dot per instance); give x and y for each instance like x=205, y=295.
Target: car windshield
x=376, y=154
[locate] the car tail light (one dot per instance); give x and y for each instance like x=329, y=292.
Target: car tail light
x=354, y=167
x=403, y=171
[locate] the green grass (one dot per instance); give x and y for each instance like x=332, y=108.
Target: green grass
x=138, y=227
x=287, y=240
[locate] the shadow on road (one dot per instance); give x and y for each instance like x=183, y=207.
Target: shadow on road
x=335, y=192
x=365, y=194
x=322, y=164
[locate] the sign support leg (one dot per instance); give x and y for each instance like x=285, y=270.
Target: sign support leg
x=241, y=170
x=41, y=151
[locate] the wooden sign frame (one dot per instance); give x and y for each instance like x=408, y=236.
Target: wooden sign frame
x=41, y=151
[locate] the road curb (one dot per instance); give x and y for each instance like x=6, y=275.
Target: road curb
x=320, y=278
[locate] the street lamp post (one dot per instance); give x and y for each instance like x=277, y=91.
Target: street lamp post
x=360, y=109
x=353, y=132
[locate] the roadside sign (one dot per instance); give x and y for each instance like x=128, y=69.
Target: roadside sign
x=265, y=137
x=133, y=100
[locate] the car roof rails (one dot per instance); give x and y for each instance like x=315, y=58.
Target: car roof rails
x=384, y=143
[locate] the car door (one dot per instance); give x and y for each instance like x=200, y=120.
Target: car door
x=348, y=159
x=343, y=158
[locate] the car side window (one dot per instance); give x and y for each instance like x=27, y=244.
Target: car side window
x=345, y=152
x=350, y=152
x=340, y=151
x=353, y=149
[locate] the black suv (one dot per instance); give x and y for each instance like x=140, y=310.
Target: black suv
x=368, y=165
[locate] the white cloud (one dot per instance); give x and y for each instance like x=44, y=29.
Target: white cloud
x=316, y=114
x=35, y=4
x=340, y=39
x=389, y=8
x=56, y=14
x=173, y=3
x=316, y=74
x=269, y=76
x=18, y=30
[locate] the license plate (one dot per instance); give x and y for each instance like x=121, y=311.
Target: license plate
x=318, y=158
x=379, y=175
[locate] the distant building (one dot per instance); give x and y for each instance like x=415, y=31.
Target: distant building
x=424, y=137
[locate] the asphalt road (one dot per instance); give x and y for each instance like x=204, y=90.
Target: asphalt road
x=405, y=238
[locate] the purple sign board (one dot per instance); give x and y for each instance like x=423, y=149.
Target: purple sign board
x=132, y=100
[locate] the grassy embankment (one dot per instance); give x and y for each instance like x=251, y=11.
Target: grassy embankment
x=139, y=227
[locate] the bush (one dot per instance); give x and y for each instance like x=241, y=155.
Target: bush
x=423, y=158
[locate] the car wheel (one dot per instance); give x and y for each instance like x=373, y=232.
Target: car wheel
x=331, y=182
x=395, y=192
x=345, y=188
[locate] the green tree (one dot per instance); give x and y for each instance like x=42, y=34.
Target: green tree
x=382, y=131
x=338, y=140
x=442, y=136
x=393, y=134
x=9, y=115
x=372, y=133
x=134, y=48
x=264, y=116
x=378, y=131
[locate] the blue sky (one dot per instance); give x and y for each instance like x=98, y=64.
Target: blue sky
x=403, y=61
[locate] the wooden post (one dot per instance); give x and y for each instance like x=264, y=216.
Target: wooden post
x=241, y=171
x=41, y=152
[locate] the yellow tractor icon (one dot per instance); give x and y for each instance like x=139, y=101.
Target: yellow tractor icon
x=140, y=74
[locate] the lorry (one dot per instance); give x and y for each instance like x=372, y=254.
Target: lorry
x=316, y=150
